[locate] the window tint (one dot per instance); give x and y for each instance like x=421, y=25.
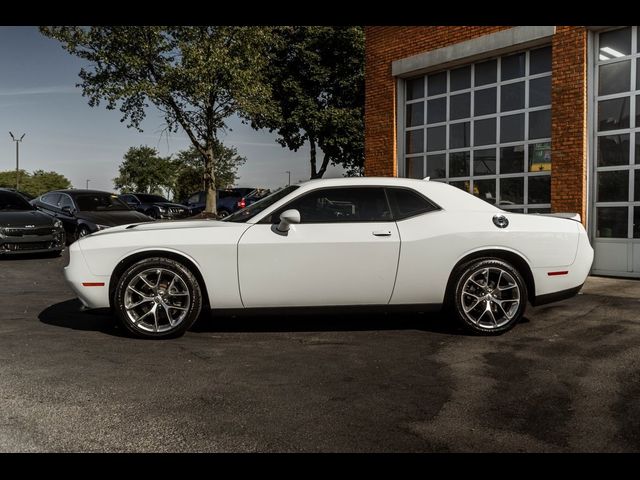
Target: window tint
x=340, y=205
x=408, y=203
x=194, y=198
x=65, y=201
x=51, y=198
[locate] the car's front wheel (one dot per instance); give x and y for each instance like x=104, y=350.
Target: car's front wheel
x=157, y=298
x=490, y=296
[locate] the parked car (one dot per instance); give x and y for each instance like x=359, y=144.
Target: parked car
x=229, y=200
x=26, y=195
x=155, y=206
x=23, y=229
x=376, y=242
x=87, y=211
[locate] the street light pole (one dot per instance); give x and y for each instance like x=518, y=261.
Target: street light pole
x=287, y=171
x=17, y=140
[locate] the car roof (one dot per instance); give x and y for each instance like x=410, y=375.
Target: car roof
x=443, y=194
x=73, y=192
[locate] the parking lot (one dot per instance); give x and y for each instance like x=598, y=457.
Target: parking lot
x=565, y=379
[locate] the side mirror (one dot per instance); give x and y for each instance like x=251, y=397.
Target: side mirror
x=68, y=210
x=287, y=218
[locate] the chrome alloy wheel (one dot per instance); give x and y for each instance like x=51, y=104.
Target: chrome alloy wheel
x=157, y=300
x=490, y=297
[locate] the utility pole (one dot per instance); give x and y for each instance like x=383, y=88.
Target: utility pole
x=17, y=140
x=287, y=171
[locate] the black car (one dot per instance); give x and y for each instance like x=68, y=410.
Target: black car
x=229, y=200
x=23, y=229
x=155, y=206
x=86, y=211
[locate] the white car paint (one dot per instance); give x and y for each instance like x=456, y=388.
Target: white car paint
x=249, y=265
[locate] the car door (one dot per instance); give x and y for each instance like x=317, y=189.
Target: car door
x=67, y=218
x=343, y=252
x=48, y=203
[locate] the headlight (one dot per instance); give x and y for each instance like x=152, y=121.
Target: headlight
x=102, y=227
x=162, y=209
x=57, y=224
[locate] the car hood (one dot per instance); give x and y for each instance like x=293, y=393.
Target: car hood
x=27, y=217
x=113, y=218
x=172, y=225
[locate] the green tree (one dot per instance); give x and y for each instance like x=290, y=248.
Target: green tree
x=37, y=183
x=190, y=166
x=144, y=170
x=316, y=75
x=197, y=76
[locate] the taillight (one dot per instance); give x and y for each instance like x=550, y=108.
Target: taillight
x=242, y=203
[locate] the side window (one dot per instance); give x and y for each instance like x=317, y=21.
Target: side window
x=340, y=205
x=408, y=203
x=65, y=201
x=194, y=198
x=51, y=199
x=127, y=198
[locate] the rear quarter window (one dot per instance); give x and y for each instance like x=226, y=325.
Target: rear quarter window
x=407, y=203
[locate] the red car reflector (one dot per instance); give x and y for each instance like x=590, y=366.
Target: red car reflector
x=552, y=274
x=93, y=284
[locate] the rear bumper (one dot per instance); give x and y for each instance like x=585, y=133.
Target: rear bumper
x=555, y=296
x=92, y=290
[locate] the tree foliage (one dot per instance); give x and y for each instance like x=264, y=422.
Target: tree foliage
x=35, y=183
x=197, y=76
x=144, y=170
x=316, y=76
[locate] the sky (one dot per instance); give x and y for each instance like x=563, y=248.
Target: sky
x=38, y=97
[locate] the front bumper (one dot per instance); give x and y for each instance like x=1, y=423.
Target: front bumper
x=28, y=244
x=92, y=290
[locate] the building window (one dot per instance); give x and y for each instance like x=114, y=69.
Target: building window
x=617, y=157
x=485, y=128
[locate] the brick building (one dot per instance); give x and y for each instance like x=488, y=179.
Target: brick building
x=535, y=119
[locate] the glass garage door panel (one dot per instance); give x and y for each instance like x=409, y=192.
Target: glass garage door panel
x=615, y=222
x=485, y=127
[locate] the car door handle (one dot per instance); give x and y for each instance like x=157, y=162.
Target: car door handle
x=382, y=233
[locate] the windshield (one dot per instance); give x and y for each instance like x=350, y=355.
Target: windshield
x=151, y=198
x=13, y=201
x=260, y=206
x=92, y=202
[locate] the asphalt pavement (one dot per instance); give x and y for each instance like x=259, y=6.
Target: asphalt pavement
x=566, y=379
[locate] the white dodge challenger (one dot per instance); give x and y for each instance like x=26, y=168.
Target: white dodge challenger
x=370, y=242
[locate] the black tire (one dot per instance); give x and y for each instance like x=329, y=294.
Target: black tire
x=503, y=312
x=222, y=213
x=153, y=213
x=165, y=264
x=82, y=231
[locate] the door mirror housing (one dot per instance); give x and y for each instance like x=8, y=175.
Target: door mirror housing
x=287, y=218
x=68, y=210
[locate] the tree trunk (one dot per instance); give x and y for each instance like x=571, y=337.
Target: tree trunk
x=325, y=161
x=210, y=182
x=312, y=154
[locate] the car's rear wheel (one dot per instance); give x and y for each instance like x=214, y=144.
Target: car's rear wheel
x=223, y=213
x=157, y=298
x=490, y=296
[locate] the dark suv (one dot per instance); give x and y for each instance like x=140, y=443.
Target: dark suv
x=155, y=206
x=229, y=200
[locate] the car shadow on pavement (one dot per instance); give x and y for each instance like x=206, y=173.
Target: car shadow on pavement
x=327, y=322
x=69, y=314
